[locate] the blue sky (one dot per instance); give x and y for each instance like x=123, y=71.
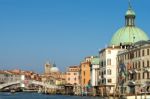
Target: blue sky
x=65, y=31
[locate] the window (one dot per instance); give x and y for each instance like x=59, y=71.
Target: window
x=84, y=73
x=102, y=63
x=139, y=76
x=143, y=53
x=108, y=61
x=68, y=73
x=135, y=65
x=68, y=78
x=143, y=75
x=148, y=76
x=84, y=80
x=131, y=76
x=148, y=63
x=147, y=51
x=109, y=80
x=143, y=64
x=139, y=53
x=104, y=72
x=75, y=73
x=109, y=71
x=136, y=54
x=131, y=55
x=139, y=64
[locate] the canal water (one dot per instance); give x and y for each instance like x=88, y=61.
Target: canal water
x=41, y=96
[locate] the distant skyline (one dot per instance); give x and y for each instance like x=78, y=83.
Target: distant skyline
x=33, y=32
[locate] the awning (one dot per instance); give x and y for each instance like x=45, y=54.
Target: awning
x=135, y=71
x=130, y=71
x=146, y=84
x=147, y=70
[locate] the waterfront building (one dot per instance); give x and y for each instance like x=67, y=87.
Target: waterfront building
x=85, y=73
x=73, y=78
x=52, y=75
x=55, y=78
x=15, y=75
x=108, y=69
x=72, y=75
x=94, y=69
x=6, y=77
x=134, y=68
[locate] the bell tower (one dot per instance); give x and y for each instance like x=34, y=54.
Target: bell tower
x=47, y=67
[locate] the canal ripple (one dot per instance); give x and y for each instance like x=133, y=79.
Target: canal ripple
x=41, y=96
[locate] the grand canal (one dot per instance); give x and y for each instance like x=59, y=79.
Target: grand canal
x=41, y=96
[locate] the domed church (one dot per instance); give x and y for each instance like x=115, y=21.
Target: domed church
x=109, y=64
x=53, y=75
x=130, y=33
x=51, y=68
x=54, y=69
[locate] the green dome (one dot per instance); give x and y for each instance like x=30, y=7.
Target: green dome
x=128, y=35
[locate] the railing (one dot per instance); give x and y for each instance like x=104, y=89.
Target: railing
x=28, y=82
x=8, y=84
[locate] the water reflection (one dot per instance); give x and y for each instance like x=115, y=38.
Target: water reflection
x=41, y=96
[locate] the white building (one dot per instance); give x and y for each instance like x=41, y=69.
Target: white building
x=94, y=71
x=108, y=68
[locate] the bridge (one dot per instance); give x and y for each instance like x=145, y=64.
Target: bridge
x=24, y=82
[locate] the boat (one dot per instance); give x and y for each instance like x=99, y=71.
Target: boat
x=12, y=91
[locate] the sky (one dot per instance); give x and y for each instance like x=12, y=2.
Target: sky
x=33, y=32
